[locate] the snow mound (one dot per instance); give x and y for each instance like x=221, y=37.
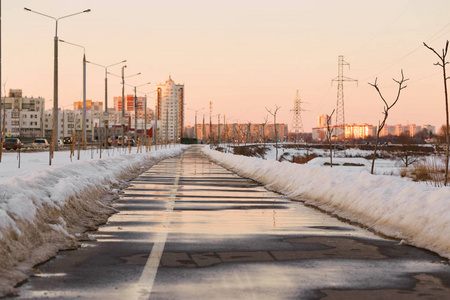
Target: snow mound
x=396, y=207
x=45, y=211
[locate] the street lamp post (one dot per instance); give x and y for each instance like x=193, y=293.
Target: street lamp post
x=106, y=95
x=196, y=111
x=123, y=106
x=55, y=71
x=123, y=99
x=135, y=106
x=84, y=134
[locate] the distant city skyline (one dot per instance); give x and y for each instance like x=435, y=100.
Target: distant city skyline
x=243, y=56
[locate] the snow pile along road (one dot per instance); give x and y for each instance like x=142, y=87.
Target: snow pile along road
x=48, y=210
x=396, y=207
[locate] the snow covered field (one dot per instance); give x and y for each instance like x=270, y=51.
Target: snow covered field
x=45, y=208
x=416, y=213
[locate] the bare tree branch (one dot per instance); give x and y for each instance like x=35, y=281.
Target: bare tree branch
x=386, y=109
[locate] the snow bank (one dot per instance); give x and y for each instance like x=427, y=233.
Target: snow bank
x=416, y=213
x=48, y=210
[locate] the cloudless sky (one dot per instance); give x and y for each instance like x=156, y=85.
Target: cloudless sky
x=243, y=55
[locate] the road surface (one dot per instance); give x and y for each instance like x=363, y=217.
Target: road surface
x=190, y=229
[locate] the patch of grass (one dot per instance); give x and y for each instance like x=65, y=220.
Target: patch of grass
x=347, y=164
x=421, y=172
x=403, y=172
x=303, y=159
x=251, y=151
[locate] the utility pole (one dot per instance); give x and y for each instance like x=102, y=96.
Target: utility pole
x=123, y=105
x=218, y=128
x=145, y=121
x=210, y=122
x=203, y=129
x=135, y=115
x=224, y=129
x=195, y=132
x=1, y=127
x=340, y=117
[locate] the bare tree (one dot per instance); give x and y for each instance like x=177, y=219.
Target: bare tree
x=442, y=64
x=263, y=133
x=407, y=152
x=386, y=109
x=274, y=114
x=328, y=135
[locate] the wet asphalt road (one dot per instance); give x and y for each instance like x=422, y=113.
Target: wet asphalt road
x=189, y=229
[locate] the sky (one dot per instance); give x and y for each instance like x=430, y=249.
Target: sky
x=244, y=56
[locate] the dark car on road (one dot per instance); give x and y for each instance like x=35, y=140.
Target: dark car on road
x=67, y=140
x=12, y=143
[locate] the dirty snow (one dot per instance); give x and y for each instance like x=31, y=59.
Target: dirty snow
x=45, y=208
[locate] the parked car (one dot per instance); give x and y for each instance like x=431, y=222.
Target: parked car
x=112, y=141
x=60, y=143
x=119, y=140
x=67, y=140
x=40, y=143
x=12, y=143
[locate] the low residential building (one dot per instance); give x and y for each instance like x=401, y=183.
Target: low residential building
x=241, y=133
x=23, y=115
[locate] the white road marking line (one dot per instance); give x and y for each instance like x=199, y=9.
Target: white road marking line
x=145, y=284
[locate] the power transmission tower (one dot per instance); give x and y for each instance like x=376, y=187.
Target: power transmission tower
x=297, y=123
x=340, y=117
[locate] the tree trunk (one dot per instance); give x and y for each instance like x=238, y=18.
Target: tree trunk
x=447, y=127
x=375, y=151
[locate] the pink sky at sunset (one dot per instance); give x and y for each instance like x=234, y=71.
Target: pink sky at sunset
x=242, y=55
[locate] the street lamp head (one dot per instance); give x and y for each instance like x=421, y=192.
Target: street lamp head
x=87, y=10
x=27, y=9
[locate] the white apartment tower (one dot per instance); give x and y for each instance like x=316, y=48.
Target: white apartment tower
x=170, y=110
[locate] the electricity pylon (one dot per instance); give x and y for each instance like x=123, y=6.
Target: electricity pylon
x=297, y=123
x=340, y=116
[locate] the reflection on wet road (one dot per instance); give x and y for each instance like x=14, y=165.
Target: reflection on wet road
x=189, y=229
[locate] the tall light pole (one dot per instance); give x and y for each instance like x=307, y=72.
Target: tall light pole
x=106, y=95
x=145, y=114
x=55, y=71
x=196, y=111
x=135, y=106
x=123, y=99
x=84, y=91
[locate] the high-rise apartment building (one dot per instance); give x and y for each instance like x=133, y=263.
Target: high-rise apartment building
x=90, y=105
x=129, y=103
x=170, y=109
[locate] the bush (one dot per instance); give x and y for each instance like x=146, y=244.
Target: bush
x=303, y=159
x=430, y=170
x=421, y=172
